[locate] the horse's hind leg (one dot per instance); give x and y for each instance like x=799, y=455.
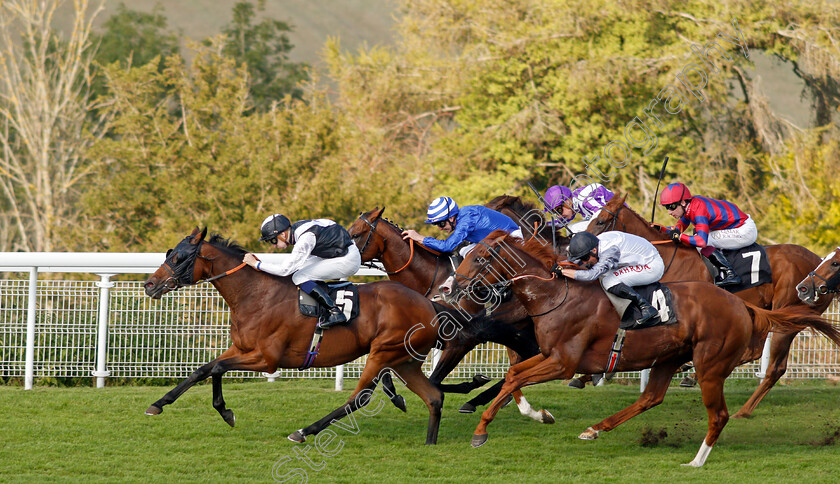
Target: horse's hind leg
x=779, y=349
x=711, y=385
x=660, y=378
x=359, y=398
x=417, y=382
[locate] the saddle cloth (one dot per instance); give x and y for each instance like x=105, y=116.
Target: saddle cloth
x=345, y=295
x=658, y=295
x=750, y=263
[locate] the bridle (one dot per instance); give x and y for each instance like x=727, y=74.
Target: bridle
x=182, y=273
x=824, y=288
x=501, y=285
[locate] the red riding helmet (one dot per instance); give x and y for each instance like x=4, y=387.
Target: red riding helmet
x=674, y=193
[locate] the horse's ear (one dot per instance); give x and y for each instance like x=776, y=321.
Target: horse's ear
x=200, y=237
x=195, y=231
x=377, y=213
x=621, y=197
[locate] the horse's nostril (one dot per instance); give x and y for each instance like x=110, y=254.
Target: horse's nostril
x=802, y=289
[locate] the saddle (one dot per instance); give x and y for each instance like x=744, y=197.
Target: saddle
x=659, y=297
x=750, y=263
x=344, y=293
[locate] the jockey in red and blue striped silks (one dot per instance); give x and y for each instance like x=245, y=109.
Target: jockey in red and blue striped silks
x=707, y=215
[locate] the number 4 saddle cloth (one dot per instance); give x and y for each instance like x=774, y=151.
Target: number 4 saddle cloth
x=657, y=294
x=345, y=294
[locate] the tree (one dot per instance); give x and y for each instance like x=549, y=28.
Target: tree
x=131, y=37
x=44, y=133
x=264, y=48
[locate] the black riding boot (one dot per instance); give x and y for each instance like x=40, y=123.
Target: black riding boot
x=726, y=274
x=336, y=315
x=649, y=314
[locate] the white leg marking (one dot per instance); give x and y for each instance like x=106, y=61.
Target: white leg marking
x=701, y=456
x=526, y=410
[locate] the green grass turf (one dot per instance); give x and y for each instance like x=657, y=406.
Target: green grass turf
x=102, y=435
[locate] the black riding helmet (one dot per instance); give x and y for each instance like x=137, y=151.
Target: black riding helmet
x=581, y=245
x=274, y=226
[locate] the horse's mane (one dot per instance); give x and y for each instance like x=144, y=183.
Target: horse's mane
x=543, y=253
x=228, y=245
x=515, y=204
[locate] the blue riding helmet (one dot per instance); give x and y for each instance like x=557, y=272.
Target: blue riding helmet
x=441, y=208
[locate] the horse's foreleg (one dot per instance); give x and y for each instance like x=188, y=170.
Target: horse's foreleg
x=779, y=349
x=534, y=370
x=253, y=361
x=660, y=378
x=391, y=391
x=198, y=375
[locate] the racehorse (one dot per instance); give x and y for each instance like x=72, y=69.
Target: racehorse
x=576, y=324
x=822, y=280
x=789, y=264
x=268, y=331
x=423, y=270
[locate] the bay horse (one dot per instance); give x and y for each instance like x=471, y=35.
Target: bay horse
x=576, y=324
x=822, y=280
x=268, y=331
x=423, y=270
x=789, y=264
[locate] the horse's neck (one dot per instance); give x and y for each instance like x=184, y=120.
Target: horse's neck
x=424, y=266
x=637, y=226
x=247, y=284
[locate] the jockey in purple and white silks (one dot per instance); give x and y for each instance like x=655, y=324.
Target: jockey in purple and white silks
x=586, y=201
x=471, y=223
x=323, y=250
x=621, y=261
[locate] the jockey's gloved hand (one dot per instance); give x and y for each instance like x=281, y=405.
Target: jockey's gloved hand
x=660, y=228
x=675, y=235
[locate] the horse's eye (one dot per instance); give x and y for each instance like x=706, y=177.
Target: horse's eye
x=835, y=264
x=355, y=236
x=600, y=222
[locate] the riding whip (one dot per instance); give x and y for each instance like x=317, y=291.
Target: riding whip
x=656, y=193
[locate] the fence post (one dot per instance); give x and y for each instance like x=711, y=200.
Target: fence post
x=101, y=372
x=29, y=368
x=765, y=358
x=644, y=376
x=339, y=378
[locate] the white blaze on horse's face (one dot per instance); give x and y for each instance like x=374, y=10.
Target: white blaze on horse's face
x=809, y=290
x=446, y=287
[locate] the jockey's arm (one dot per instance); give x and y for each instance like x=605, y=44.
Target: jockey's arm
x=701, y=233
x=463, y=227
x=607, y=261
x=302, y=250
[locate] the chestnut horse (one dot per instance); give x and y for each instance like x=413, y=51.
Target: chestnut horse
x=576, y=324
x=789, y=264
x=423, y=270
x=822, y=280
x=268, y=331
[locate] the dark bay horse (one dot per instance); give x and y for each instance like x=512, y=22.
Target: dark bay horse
x=789, y=264
x=423, y=270
x=822, y=280
x=575, y=325
x=268, y=331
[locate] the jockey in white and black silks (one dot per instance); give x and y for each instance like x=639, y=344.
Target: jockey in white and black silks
x=323, y=250
x=621, y=261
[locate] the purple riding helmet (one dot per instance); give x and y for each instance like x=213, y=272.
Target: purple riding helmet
x=555, y=196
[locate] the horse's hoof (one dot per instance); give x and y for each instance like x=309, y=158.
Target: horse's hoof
x=589, y=434
x=740, y=415
x=229, y=417
x=399, y=402
x=547, y=418
x=467, y=408
x=480, y=380
x=153, y=410
x=692, y=464
x=576, y=383
x=478, y=440
x=297, y=437
x=688, y=382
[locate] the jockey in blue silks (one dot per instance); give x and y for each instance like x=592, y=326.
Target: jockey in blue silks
x=471, y=223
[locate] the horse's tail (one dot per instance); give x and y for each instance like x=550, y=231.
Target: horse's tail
x=482, y=328
x=792, y=319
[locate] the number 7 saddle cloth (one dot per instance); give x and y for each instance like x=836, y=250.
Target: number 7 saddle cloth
x=345, y=294
x=750, y=263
